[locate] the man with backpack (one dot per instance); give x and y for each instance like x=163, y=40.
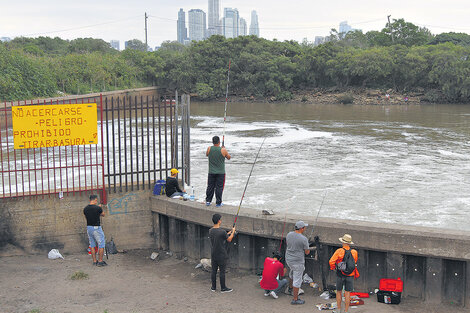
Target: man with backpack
x=344, y=261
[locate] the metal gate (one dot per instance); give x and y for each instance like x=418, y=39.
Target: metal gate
x=140, y=140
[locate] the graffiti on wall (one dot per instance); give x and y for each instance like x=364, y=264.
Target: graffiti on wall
x=119, y=205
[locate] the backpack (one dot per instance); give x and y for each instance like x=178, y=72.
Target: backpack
x=347, y=265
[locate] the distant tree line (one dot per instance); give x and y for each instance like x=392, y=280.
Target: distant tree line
x=402, y=56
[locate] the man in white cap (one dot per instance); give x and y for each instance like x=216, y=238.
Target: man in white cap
x=297, y=247
x=344, y=262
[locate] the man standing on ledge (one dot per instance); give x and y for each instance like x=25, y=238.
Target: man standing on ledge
x=93, y=212
x=216, y=177
x=219, y=256
x=297, y=247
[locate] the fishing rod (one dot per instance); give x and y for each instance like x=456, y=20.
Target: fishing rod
x=316, y=219
x=226, y=99
x=246, y=185
x=282, y=235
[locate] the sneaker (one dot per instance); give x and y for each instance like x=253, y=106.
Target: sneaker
x=95, y=263
x=213, y=289
x=298, y=301
x=226, y=290
x=103, y=263
x=266, y=293
x=208, y=203
x=219, y=205
x=273, y=294
x=290, y=291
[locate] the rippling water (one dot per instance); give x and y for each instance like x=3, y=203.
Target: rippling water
x=397, y=164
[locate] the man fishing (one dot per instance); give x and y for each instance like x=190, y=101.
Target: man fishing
x=219, y=255
x=216, y=176
x=93, y=212
x=297, y=247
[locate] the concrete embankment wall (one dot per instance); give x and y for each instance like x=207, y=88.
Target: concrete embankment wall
x=38, y=224
x=433, y=263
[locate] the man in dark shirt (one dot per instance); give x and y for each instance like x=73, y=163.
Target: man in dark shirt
x=93, y=212
x=219, y=256
x=216, y=177
x=172, y=188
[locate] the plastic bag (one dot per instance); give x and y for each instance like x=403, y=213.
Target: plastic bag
x=307, y=279
x=54, y=254
x=325, y=295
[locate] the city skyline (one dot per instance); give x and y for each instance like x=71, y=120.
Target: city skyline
x=120, y=20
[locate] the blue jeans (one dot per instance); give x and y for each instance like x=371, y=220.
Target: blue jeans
x=96, y=236
x=281, y=286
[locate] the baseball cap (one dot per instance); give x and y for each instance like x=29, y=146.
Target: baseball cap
x=300, y=224
x=174, y=171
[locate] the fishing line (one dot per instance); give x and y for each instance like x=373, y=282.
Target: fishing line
x=226, y=99
x=316, y=219
x=247, y=181
x=282, y=235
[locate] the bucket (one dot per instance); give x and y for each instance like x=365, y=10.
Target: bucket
x=159, y=188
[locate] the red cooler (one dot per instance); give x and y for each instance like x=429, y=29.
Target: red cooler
x=390, y=291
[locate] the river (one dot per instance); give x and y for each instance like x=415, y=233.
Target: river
x=405, y=164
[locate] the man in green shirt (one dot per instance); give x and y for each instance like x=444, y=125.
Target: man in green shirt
x=216, y=177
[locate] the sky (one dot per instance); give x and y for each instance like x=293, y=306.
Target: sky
x=282, y=20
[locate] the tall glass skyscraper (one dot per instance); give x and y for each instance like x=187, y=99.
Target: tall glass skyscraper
x=243, y=27
x=231, y=22
x=181, y=30
x=213, y=18
x=197, y=24
x=254, y=26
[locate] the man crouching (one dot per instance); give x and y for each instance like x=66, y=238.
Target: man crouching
x=270, y=283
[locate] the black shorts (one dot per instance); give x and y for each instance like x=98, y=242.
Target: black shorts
x=343, y=280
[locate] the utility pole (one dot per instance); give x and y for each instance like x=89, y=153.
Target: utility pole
x=146, y=45
x=390, y=27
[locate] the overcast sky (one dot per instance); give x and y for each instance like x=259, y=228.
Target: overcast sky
x=283, y=20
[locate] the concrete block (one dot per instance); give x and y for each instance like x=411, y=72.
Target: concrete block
x=415, y=277
x=260, y=253
x=192, y=243
x=434, y=280
x=164, y=232
x=246, y=249
x=377, y=269
x=362, y=265
x=454, y=282
x=395, y=265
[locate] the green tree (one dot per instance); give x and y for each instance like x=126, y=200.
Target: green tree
x=136, y=44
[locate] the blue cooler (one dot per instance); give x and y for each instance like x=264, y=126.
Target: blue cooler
x=159, y=188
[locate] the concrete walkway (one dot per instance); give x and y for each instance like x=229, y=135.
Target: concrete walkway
x=134, y=283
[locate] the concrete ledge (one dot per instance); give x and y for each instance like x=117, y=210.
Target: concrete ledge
x=414, y=240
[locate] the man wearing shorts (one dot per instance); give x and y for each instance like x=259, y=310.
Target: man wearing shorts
x=343, y=280
x=93, y=212
x=297, y=247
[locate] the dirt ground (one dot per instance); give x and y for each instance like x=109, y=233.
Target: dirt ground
x=132, y=282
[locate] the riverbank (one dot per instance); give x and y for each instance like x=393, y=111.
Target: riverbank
x=345, y=96
x=132, y=282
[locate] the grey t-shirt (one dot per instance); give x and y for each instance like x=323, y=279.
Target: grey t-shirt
x=296, y=246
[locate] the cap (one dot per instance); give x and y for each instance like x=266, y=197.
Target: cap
x=300, y=224
x=174, y=171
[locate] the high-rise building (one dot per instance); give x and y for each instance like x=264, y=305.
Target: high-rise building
x=213, y=18
x=344, y=28
x=114, y=44
x=197, y=24
x=254, y=26
x=231, y=22
x=181, y=30
x=243, y=29
x=319, y=40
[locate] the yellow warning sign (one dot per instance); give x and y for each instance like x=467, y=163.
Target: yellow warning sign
x=42, y=126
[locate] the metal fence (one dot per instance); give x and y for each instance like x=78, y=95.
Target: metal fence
x=138, y=143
